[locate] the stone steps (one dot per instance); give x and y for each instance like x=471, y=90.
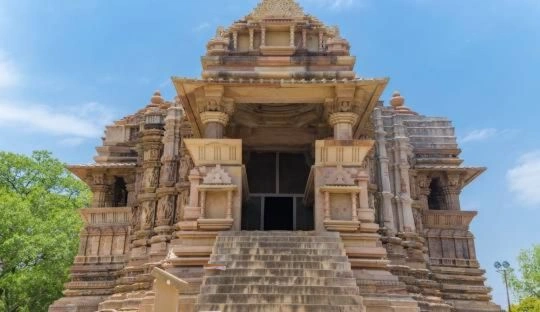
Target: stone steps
x=330, y=300
x=276, y=308
x=311, y=265
x=281, y=245
x=287, y=272
x=280, y=280
x=279, y=251
x=280, y=271
x=296, y=239
x=268, y=289
x=295, y=258
x=278, y=234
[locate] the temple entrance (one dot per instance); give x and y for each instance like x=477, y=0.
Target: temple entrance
x=279, y=214
x=277, y=182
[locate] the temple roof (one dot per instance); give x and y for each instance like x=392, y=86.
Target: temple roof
x=277, y=9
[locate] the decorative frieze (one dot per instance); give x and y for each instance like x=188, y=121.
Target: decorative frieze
x=345, y=153
x=215, y=151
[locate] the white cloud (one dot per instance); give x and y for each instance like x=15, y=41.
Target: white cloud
x=9, y=75
x=479, y=135
x=524, y=179
x=71, y=141
x=201, y=27
x=334, y=4
x=84, y=121
x=487, y=133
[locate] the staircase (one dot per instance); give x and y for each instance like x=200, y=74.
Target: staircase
x=279, y=272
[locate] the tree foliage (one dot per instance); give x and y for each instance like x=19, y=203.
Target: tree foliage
x=528, y=284
x=39, y=226
x=529, y=304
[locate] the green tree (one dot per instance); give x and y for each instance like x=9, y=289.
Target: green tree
x=528, y=284
x=529, y=304
x=39, y=226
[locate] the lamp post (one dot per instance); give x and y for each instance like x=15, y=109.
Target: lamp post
x=503, y=268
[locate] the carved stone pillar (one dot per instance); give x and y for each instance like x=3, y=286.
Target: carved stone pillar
x=214, y=124
x=235, y=40
x=423, y=181
x=171, y=147
x=152, y=137
x=263, y=36
x=321, y=41
x=382, y=157
x=292, y=37
x=365, y=213
x=130, y=188
x=251, y=39
x=100, y=190
x=215, y=111
x=343, y=123
x=304, y=38
x=402, y=171
x=452, y=191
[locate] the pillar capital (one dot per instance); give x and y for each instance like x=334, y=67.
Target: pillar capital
x=343, y=118
x=343, y=123
x=221, y=118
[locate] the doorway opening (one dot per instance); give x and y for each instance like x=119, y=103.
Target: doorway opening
x=277, y=182
x=278, y=214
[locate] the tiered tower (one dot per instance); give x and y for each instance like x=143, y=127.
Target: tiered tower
x=279, y=133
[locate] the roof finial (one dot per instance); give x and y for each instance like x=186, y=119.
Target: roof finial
x=398, y=103
x=397, y=100
x=157, y=99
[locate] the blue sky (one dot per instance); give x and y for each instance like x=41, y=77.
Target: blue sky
x=67, y=68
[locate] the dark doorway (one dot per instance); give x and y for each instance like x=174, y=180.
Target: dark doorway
x=278, y=214
x=277, y=181
x=120, y=194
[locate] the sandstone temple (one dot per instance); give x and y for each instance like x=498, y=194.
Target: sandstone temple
x=277, y=181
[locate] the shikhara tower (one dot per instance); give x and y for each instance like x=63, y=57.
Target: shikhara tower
x=345, y=204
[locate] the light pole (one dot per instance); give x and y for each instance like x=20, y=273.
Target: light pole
x=504, y=268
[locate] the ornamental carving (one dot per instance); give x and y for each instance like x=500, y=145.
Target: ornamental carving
x=454, y=180
x=148, y=214
x=344, y=106
x=185, y=165
x=165, y=210
x=217, y=176
x=181, y=202
x=169, y=172
x=277, y=8
x=98, y=179
x=341, y=176
x=417, y=215
x=423, y=181
x=152, y=154
x=151, y=177
x=136, y=217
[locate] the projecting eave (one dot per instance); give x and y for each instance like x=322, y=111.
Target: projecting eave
x=82, y=171
x=469, y=173
x=365, y=93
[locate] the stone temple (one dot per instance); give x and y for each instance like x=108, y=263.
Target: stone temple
x=278, y=181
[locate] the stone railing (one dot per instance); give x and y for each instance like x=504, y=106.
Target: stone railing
x=106, y=216
x=443, y=219
x=471, y=263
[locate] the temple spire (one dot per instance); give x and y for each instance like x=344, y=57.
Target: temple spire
x=277, y=9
